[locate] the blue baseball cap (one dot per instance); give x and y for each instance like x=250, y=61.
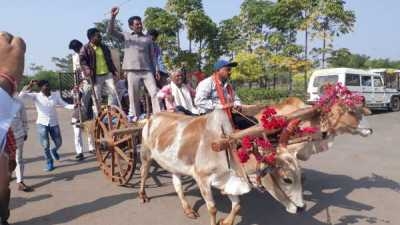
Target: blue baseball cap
x=223, y=63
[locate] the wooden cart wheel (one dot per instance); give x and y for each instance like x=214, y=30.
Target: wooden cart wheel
x=116, y=154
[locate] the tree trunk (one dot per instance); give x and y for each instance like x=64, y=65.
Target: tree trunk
x=290, y=86
x=274, y=82
x=178, y=41
x=190, y=45
x=200, y=50
x=323, y=49
x=325, y=28
x=305, y=58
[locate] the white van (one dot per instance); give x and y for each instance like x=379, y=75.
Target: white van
x=368, y=84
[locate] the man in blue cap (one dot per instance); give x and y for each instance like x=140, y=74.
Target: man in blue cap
x=216, y=92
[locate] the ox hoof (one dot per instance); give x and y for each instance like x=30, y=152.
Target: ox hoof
x=143, y=197
x=190, y=213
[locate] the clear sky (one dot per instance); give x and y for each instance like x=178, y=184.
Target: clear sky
x=49, y=25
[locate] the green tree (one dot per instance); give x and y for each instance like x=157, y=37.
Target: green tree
x=35, y=68
x=63, y=64
x=230, y=36
x=249, y=69
x=202, y=30
x=181, y=9
x=328, y=19
x=50, y=76
x=344, y=58
x=107, y=39
x=167, y=24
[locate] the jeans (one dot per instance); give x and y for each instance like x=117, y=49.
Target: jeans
x=55, y=134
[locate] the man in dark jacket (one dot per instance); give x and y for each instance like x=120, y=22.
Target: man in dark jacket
x=96, y=63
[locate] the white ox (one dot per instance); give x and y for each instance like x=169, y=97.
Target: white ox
x=339, y=120
x=182, y=145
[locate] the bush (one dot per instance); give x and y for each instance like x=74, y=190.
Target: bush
x=260, y=95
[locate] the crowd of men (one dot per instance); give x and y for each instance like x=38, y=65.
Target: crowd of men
x=93, y=64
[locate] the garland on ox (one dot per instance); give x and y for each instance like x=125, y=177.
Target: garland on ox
x=276, y=132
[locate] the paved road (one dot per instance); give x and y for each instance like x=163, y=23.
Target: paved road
x=357, y=182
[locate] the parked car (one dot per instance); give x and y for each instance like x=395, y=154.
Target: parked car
x=368, y=84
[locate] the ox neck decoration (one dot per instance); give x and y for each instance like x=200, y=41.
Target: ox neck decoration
x=261, y=147
x=333, y=94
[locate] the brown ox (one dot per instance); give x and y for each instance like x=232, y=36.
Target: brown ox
x=182, y=145
x=339, y=120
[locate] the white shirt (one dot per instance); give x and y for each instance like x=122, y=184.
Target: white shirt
x=45, y=107
x=8, y=108
x=207, y=98
x=19, y=124
x=75, y=62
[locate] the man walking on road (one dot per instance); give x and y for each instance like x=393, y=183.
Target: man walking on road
x=139, y=63
x=47, y=119
x=20, y=129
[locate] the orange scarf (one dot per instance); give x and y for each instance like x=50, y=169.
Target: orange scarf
x=221, y=96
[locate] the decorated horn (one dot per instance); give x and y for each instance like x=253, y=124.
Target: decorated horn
x=302, y=113
x=287, y=132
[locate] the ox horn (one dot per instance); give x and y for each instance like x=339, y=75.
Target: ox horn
x=287, y=132
x=302, y=113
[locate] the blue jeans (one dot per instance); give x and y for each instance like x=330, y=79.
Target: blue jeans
x=55, y=134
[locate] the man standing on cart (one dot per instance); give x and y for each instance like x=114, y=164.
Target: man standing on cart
x=139, y=63
x=96, y=63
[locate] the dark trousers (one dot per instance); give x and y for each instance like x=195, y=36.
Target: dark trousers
x=4, y=202
x=242, y=122
x=181, y=109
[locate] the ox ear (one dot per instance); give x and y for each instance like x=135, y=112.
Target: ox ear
x=366, y=111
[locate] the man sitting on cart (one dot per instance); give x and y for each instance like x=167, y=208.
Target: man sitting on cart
x=177, y=95
x=216, y=92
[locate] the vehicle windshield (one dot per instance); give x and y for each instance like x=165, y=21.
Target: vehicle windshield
x=366, y=81
x=352, y=79
x=322, y=80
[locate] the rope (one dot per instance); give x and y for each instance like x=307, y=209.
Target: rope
x=119, y=6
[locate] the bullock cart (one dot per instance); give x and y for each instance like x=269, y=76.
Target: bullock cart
x=116, y=143
x=116, y=140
